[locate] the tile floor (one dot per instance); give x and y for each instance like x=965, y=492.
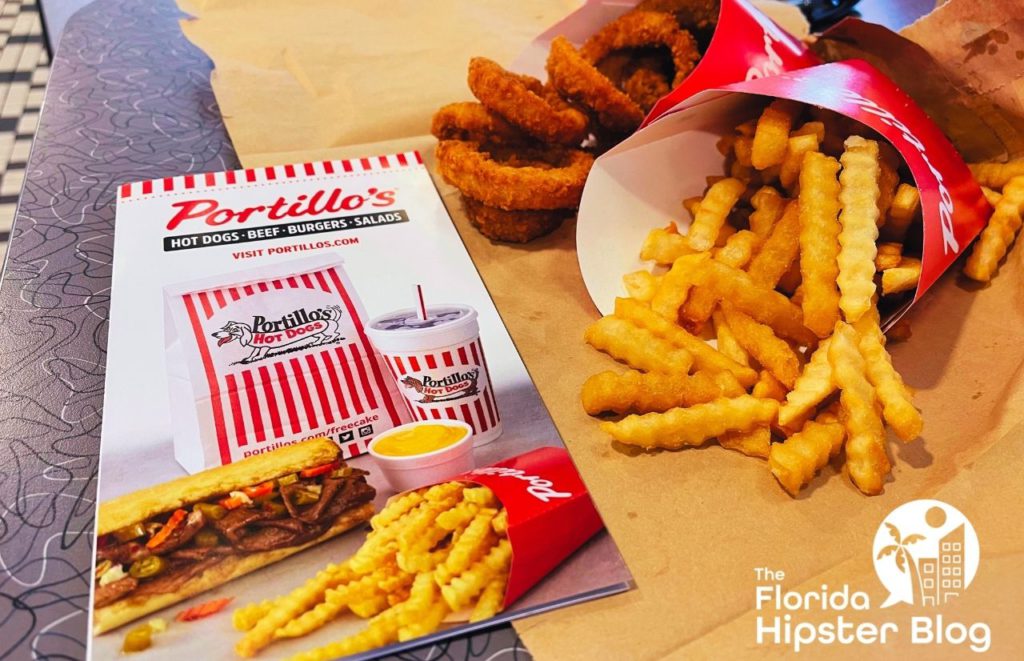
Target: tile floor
x=24, y=68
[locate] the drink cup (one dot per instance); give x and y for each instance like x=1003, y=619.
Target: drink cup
x=439, y=365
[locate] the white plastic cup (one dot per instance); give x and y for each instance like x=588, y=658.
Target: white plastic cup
x=404, y=473
x=440, y=367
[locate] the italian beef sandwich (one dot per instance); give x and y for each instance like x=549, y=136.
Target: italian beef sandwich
x=166, y=543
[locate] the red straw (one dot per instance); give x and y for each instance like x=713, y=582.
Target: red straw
x=422, y=307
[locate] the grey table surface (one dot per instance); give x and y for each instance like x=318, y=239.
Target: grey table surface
x=129, y=99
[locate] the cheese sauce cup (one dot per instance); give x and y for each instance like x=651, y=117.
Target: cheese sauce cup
x=440, y=367
x=420, y=453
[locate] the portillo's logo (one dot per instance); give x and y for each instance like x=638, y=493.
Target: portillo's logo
x=299, y=329
x=455, y=385
x=925, y=553
x=212, y=213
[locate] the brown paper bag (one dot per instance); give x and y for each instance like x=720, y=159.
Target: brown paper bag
x=694, y=525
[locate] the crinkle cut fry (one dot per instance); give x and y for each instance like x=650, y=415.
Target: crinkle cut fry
x=633, y=391
x=704, y=355
x=866, y=456
x=897, y=404
x=999, y=234
x=795, y=462
x=819, y=241
x=681, y=427
x=858, y=221
x=637, y=347
x=812, y=387
x=759, y=341
x=763, y=304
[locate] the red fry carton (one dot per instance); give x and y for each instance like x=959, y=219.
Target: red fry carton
x=640, y=183
x=744, y=45
x=550, y=513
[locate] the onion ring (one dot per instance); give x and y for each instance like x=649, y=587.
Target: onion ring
x=688, y=13
x=576, y=78
x=512, y=226
x=646, y=86
x=554, y=182
x=471, y=121
x=522, y=101
x=645, y=28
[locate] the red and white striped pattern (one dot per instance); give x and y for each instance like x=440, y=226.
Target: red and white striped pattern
x=187, y=182
x=479, y=411
x=300, y=393
x=295, y=394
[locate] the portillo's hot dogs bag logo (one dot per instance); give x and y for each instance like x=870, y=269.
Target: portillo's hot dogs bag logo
x=296, y=330
x=270, y=356
x=925, y=553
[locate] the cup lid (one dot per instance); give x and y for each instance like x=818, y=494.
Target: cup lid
x=403, y=330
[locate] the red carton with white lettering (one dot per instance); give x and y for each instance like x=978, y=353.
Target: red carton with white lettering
x=744, y=44
x=550, y=512
x=639, y=184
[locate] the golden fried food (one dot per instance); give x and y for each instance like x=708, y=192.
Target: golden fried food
x=704, y=355
x=645, y=28
x=768, y=205
x=474, y=122
x=521, y=101
x=819, y=244
x=795, y=462
x=699, y=305
x=780, y=250
x=759, y=341
x=753, y=443
x=771, y=138
x=578, y=80
x=665, y=245
x=812, y=387
x=904, y=210
x=888, y=177
x=995, y=174
x=641, y=285
x=765, y=305
x=858, y=221
x=637, y=392
x=866, y=455
x=768, y=387
x=998, y=235
x=681, y=427
x=726, y=339
x=645, y=87
x=637, y=347
x=713, y=212
x=903, y=277
x=897, y=406
x=888, y=256
x=796, y=148
x=431, y=552
x=512, y=226
x=474, y=170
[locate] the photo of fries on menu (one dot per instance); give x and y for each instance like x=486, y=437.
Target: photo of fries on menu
x=321, y=460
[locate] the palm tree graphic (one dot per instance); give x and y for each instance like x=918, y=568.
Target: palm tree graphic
x=903, y=558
